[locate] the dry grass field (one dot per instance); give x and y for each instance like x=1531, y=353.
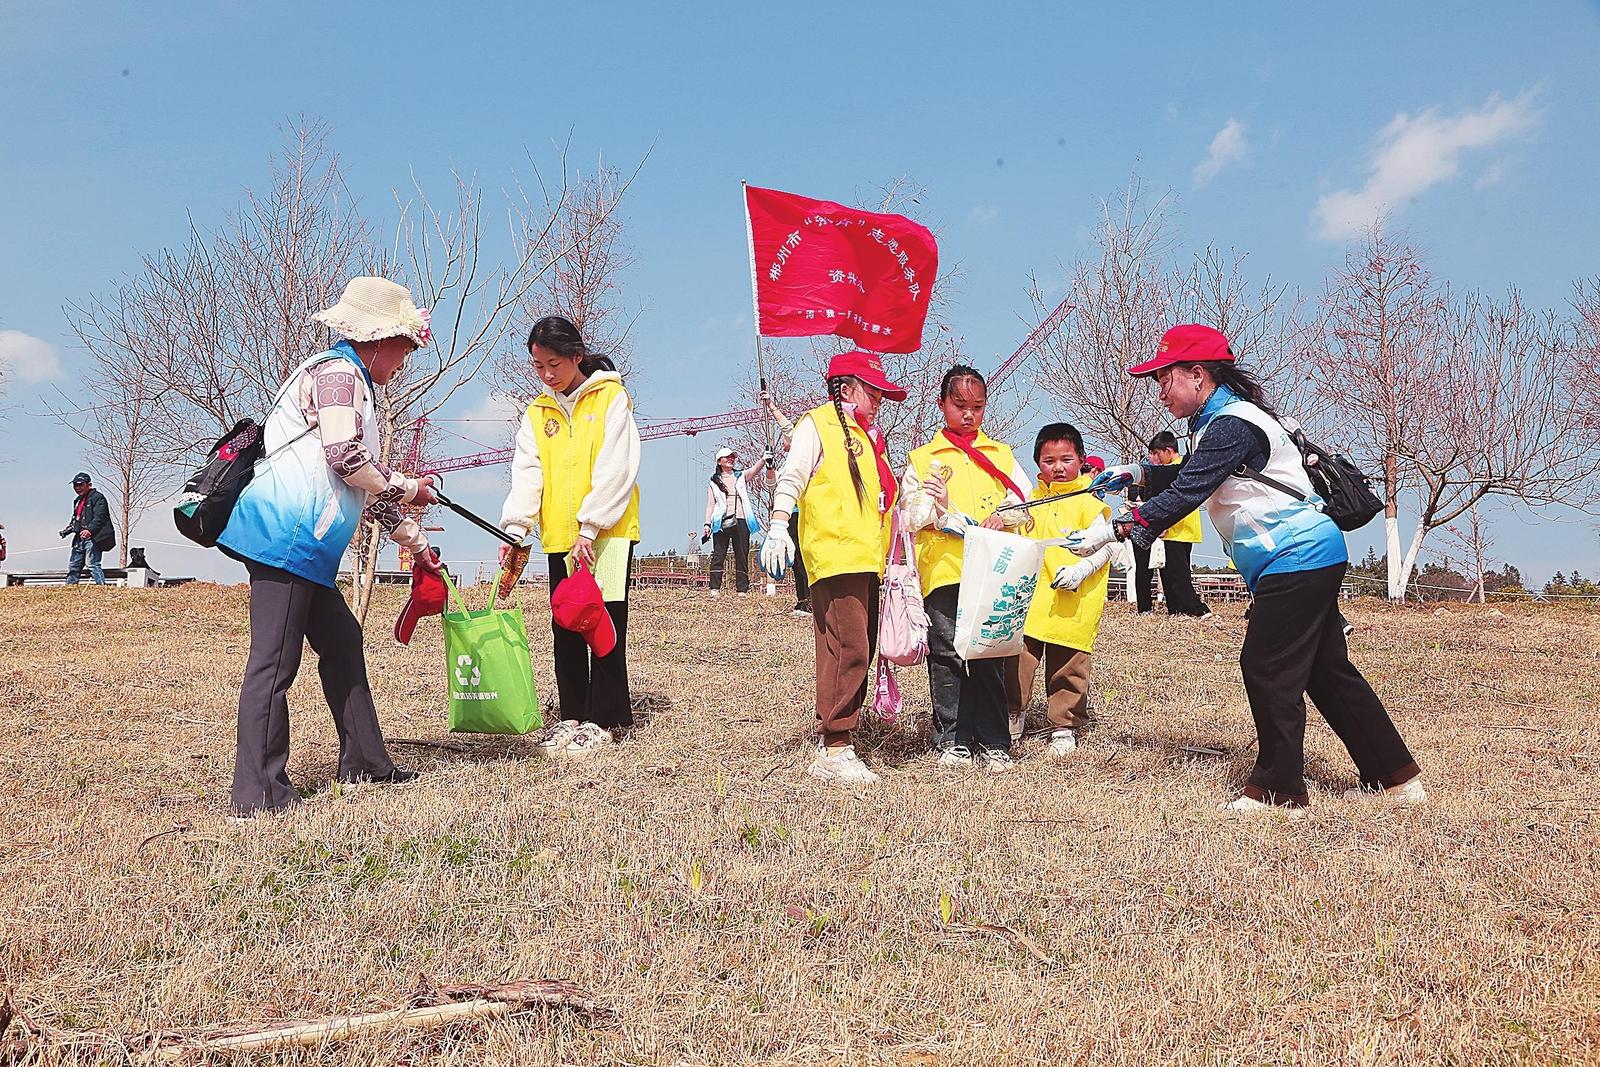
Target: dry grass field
x=724, y=908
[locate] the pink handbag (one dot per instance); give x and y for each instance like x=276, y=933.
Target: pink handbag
x=902, y=620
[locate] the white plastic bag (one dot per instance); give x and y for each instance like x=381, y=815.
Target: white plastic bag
x=1158, y=554
x=999, y=572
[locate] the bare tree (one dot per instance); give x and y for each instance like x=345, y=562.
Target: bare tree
x=1124, y=298
x=125, y=418
x=1472, y=538
x=1583, y=373
x=1379, y=363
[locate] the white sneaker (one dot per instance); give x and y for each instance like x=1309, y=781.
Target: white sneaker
x=997, y=760
x=841, y=765
x=1349, y=627
x=1252, y=806
x=557, y=737
x=588, y=740
x=743, y=595
x=956, y=756
x=1409, y=794
x=1063, y=743
x=715, y=593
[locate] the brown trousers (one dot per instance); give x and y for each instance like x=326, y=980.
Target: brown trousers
x=844, y=612
x=1066, y=683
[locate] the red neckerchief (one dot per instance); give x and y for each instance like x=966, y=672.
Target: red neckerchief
x=985, y=464
x=880, y=452
x=77, y=509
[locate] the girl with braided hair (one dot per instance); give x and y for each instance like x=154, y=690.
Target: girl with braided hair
x=838, y=470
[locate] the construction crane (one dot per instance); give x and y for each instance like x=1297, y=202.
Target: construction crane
x=655, y=430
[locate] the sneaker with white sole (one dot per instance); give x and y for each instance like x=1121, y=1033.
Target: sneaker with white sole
x=556, y=737
x=955, y=756
x=1252, y=806
x=715, y=593
x=1408, y=794
x=1063, y=743
x=589, y=739
x=997, y=760
x=842, y=766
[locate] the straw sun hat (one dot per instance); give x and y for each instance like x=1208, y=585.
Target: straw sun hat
x=374, y=308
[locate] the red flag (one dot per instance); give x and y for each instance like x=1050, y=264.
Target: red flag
x=823, y=268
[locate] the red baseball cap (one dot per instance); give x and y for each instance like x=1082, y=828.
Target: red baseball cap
x=428, y=597
x=1191, y=343
x=867, y=366
x=578, y=606
x=1094, y=463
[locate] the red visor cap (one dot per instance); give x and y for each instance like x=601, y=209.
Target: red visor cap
x=428, y=596
x=578, y=606
x=1191, y=343
x=867, y=366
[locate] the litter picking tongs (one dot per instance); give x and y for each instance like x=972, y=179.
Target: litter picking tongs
x=521, y=550
x=1029, y=505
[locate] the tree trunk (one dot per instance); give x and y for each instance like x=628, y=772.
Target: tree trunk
x=1411, y=559
x=1391, y=529
x=365, y=572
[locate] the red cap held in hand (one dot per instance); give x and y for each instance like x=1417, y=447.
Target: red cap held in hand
x=428, y=597
x=578, y=606
x=1191, y=343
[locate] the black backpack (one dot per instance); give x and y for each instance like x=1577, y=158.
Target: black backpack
x=209, y=496
x=1347, y=496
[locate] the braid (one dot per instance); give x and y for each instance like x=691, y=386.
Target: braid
x=836, y=394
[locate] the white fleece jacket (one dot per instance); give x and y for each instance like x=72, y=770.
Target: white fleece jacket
x=616, y=467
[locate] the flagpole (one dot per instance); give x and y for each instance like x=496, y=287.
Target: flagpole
x=755, y=307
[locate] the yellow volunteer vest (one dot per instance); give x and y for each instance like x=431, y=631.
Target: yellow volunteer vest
x=840, y=534
x=1060, y=616
x=972, y=492
x=567, y=452
x=1187, y=528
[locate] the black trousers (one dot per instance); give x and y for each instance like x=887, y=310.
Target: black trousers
x=802, y=586
x=286, y=611
x=1177, y=581
x=592, y=688
x=969, y=699
x=1293, y=648
x=1141, y=578
x=736, y=534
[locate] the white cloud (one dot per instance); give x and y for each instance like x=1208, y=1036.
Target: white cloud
x=983, y=215
x=1417, y=152
x=1231, y=145
x=28, y=358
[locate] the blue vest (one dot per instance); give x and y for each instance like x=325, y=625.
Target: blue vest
x=295, y=514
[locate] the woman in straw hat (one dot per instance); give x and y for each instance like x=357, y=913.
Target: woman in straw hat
x=291, y=527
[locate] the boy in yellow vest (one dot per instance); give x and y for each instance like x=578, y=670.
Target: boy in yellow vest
x=1177, y=577
x=1065, y=614
x=576, y=475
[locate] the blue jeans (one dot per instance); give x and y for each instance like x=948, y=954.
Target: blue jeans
x=80, y=549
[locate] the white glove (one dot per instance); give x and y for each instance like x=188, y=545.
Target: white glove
x=777, y=552
x=1069, y=578
x=1087, y=542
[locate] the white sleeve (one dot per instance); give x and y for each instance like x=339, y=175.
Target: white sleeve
x=805, y=455
x=521, y=508
x=922, y=511
x=616, y=471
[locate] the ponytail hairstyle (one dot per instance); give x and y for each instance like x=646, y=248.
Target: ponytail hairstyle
x=836, y=394
x=1163, y=440
x=1240, y=381
x=560, y=336
x=956, y=374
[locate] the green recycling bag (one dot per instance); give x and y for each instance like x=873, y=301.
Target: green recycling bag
x=487, y=668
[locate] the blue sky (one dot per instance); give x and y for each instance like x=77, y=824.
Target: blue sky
x=1273, y=124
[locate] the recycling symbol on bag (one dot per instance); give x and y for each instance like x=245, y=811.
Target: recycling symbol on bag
x=462, y=679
